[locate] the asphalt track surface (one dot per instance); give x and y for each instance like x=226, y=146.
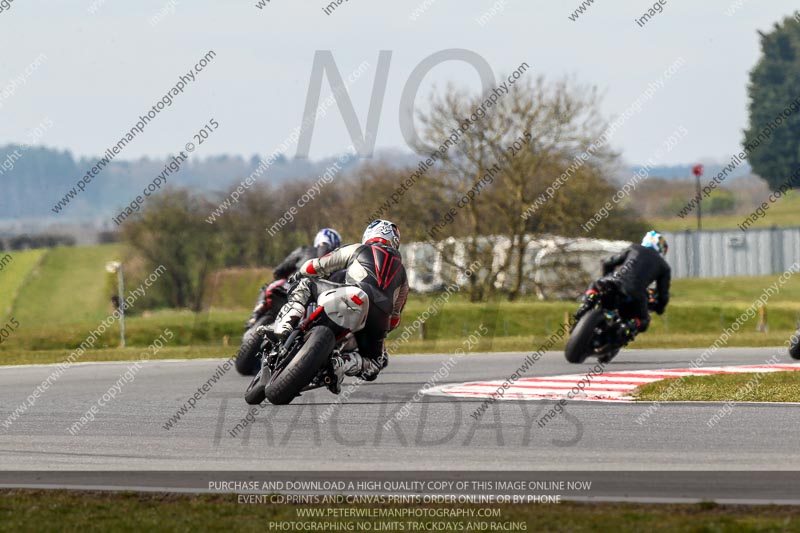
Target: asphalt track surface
x=438, y=433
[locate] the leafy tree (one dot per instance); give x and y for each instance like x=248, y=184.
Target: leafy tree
x=774, y=87
x=172, y=231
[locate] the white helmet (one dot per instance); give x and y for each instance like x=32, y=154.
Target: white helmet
x=656, y=241
x=327, y=238
x=382, y=231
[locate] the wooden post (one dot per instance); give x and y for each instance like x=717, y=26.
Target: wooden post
x=762, y=327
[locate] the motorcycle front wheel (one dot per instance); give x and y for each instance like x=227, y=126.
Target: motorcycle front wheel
x=256, y=393
x=579, y=345
x=287, y=384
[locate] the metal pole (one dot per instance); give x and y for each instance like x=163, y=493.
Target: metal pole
x=121, y=289
x=699, y=207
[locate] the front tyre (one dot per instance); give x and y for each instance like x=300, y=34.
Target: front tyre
x=255, y=393
x=579, y=345
x=608, y=356
x=305, y=365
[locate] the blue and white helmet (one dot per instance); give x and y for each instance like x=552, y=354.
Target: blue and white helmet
x=328, y=239
x=656, y=241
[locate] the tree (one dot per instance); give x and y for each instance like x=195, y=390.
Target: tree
x=508, y=158
x=172, y=231
x=774, y=88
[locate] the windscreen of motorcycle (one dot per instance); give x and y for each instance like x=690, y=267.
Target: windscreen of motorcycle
x=346, y=306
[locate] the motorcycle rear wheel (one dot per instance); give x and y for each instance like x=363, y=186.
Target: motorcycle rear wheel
x=579, y=345
x=305, y=365
x=247, y=363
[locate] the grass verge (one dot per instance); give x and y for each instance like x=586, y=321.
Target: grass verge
x=27, y=510
x=18, y=268
x=782, y=213
x=64, y=301
x=69, y=285
x=510, y=325
x=46, y=357
x=444, y=346
x=756, y=387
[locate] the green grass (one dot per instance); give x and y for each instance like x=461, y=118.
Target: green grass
x=188, y=329
x=763, y=387
x=45, y=357
x=700, y=311
x=782, y=213
x=536, y=321
x=20, y=356
x=236, y=288
x=25, y=510
x=14, y=274
x=70, y=286
x=737, y=290
x=642, y=342
x=67, y=296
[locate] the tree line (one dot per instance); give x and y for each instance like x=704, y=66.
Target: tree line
x=477, y=191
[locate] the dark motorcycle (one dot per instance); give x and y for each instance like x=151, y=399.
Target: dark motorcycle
x=301, y=362
x=265, y=312
x=597, y=333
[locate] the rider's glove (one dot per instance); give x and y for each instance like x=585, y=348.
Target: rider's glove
x=295, y=278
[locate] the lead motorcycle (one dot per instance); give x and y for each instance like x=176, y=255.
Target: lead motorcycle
x=276, y=295
x=596, y=334
x=301, y=362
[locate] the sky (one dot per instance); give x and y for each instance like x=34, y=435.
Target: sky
x=103, y=69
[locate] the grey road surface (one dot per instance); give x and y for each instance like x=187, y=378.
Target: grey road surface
x=129, y=433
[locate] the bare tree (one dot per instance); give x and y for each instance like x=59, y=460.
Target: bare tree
x=506, y=159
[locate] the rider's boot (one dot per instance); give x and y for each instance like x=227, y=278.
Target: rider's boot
x=589, y=302
x=345, y=364
x=374, y=367
x=353, y=364
x=291, y=313
x=287, y=319
x=627, y=331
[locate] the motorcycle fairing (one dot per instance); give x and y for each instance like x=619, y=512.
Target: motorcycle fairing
x=346, y=306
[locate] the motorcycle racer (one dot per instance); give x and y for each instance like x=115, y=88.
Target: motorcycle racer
x=325, y=241
x=375, y=265
x=634, y=270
